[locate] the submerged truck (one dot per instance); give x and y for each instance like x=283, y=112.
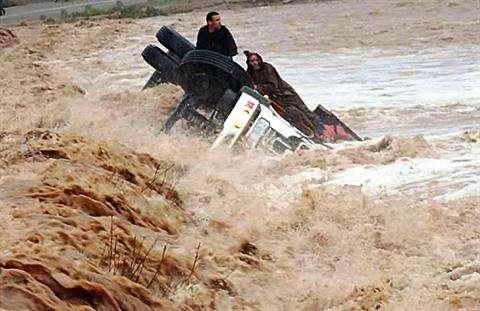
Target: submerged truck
x=220, y=100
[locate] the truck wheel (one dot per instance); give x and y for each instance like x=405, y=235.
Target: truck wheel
x=174, y=41
x=158, y=59
x=165, y=66
x=219, y=71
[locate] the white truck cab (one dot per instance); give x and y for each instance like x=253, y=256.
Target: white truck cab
x=255, y=124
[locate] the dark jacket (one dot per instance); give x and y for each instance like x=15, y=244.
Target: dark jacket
x=220, y=41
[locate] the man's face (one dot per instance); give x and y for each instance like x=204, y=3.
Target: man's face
x=254, y=62
x=215, y=23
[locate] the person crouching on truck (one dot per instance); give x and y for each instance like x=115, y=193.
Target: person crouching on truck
x=268, y=82
x=320, y=124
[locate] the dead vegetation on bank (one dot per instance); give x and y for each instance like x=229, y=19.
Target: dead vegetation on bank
x=91, y=226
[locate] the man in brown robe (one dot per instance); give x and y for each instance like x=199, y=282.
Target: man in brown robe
x=321, y=124
x=268, y=82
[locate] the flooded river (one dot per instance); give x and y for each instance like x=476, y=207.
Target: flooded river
x=390, y=223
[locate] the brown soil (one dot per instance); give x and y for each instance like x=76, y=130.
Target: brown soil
x=7, y=38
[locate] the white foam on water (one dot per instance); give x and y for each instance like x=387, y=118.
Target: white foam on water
x=453, y=174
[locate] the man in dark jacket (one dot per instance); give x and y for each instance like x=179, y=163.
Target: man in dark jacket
x=216, y=37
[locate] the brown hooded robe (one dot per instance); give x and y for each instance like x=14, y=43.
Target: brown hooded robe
x=320, y=124
x=268, y=82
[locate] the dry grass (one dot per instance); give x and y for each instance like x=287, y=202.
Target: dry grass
x=130, y=261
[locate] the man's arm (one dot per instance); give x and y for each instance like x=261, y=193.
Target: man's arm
x=202, y=40
x=230, y=43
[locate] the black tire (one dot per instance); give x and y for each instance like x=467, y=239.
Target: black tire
x=174, y=42
x=174, y=57
x=221, y=72
x=158, y=59
x=165, y=65
x=157, y=77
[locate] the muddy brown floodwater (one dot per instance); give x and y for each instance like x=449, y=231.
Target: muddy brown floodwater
x=98, y=212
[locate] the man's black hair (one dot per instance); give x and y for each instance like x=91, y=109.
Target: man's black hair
x=210, y=16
